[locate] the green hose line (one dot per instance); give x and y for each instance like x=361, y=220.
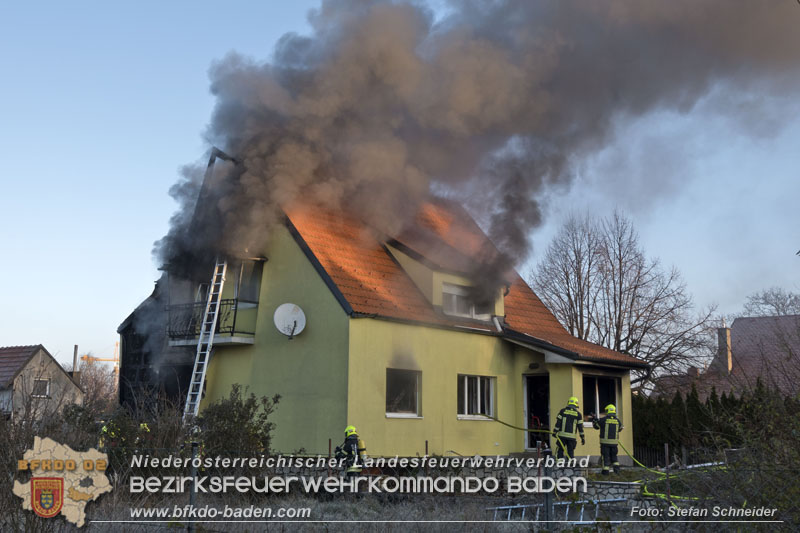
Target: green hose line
x=532, y=431
x=645, y=491
x=629, y=454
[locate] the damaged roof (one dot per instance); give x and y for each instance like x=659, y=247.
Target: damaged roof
x=367, y=281
x=13, y=359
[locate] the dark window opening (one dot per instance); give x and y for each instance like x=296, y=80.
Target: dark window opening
x=402, y=391
x=598, y=392
x=202, y=293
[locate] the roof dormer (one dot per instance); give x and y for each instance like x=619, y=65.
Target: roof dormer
x=447, y=292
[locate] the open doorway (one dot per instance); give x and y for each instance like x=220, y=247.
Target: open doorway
x=538, y=408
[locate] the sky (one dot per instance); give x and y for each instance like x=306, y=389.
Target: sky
x=101, y=104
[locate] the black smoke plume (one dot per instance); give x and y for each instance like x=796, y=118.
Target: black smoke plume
x=492, y=103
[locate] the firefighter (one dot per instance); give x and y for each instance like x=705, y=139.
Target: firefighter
x=569, y=423
x=352, y=450
x=143, y=436
x=609, y=427
x=110, y=435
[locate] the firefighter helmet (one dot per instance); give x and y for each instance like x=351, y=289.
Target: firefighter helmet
x=572, y=401
x=610, y=409
x=350, y=430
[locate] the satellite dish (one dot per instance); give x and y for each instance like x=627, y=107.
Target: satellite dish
x=290, y=320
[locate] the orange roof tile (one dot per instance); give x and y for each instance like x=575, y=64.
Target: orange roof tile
x=526, y=313
x=370, y=282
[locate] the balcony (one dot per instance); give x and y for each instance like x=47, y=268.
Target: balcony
x=236, y=322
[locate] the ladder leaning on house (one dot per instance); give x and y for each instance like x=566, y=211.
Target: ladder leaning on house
x=205, y=342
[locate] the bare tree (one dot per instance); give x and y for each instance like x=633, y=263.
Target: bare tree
x=99, y=385
x=566, y=279
x=598, y=282
x=774, y=301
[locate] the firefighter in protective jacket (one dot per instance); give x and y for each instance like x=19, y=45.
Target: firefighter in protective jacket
x=609, y=427
x=569, y=423
x=353, y=450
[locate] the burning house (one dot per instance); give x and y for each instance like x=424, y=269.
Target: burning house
x=389, y=339
x=345, y=142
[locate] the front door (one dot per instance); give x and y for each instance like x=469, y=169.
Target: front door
x=538, y=408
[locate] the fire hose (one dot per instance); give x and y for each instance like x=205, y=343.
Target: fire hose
x=645, y=491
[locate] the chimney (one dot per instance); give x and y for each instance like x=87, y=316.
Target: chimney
x=694, y=372
x=76, y=375
x=723, y=362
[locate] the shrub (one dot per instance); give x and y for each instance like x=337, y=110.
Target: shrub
x=238, y=423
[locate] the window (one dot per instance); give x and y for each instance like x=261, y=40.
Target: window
x=248, y=283
x=5, y=401
x=403, y=392
x=202, y=293
x=41, y=388
x=455, y=301
x=475, y=395
x=597, y=393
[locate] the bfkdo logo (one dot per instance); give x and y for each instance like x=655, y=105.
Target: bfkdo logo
x=62, y=481
x=47, y=495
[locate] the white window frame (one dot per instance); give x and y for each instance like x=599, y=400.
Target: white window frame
x=47, y=389
x=460, y=290
x=418, y=396
x=463, y=402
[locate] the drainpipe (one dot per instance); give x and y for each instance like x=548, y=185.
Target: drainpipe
x=496, y=322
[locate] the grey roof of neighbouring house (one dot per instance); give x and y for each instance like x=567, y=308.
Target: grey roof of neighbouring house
x=13, y=359
x=765, y=348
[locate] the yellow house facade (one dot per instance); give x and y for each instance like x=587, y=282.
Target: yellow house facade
x=394, y=345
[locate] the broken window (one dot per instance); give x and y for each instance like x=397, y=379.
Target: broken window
x=476, y=395
x=41, y=388
x=597, y=393
x=455, y=302
x=402, y=392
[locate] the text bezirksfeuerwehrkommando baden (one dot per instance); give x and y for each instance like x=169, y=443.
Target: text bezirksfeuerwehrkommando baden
x=375, y=484
x=283, y=483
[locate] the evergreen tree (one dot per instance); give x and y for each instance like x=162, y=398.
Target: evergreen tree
x=698, y=420
x=678, y=421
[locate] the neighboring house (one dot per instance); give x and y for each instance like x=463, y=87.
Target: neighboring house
x=33, y=384
x=392, y=344
x=753, y=348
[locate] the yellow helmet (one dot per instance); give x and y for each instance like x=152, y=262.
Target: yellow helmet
x=572, y=401
x=350, y=430
x=610, y=409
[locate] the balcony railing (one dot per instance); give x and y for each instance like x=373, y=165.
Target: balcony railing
x=235, y=318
